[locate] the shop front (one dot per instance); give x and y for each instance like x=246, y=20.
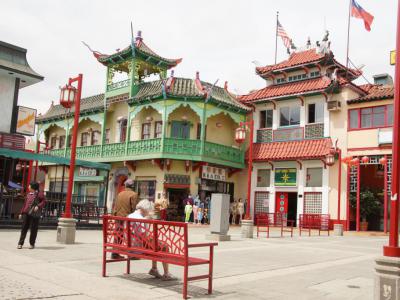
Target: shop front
x=90, y=185
x=214, y=180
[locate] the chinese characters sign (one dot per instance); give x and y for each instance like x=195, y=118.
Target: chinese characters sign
x=213, y=173
x=286, y=177
x=87, y=172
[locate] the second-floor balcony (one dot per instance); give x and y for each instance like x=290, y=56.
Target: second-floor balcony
x=172, y=148
x=309, y=131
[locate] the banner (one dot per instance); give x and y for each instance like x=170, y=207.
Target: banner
x=286, y=177
x=26, y=121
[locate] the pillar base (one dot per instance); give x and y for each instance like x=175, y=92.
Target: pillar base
x=247, y=229
x=387, y=278
x=338, y=229
x=66, y=230
x=391, y=251
x=218, y=237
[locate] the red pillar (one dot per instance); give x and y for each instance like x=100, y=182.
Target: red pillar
x=393, y=248
x=339, y=183
x=385, y=198
x=23, y=176
x=348, y=198
x=67, y=212
x=250, y=170
x=358, y=199
x=36, y=163
x=28, y=180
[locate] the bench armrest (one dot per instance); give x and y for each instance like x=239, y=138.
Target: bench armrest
x=202, y=245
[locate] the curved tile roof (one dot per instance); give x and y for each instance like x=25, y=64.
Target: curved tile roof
x=375, y=92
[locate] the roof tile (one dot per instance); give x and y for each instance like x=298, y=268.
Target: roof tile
x=374, y=92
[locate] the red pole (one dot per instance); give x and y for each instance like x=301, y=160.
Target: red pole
x=36, y=163
x=393, y=248
x=339, y=184
x=28, y=180
x=250, y=169
x=348, y=198
x=67, y=212
x=23, y=176
x=385, y=198
x=358, y=199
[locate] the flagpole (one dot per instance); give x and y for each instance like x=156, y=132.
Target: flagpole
x=276, y=36
x=348, y=38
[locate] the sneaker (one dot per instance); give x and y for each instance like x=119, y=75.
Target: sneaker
x=32, y=247
x=154, y=272
x=168, y=277
x=19, y=247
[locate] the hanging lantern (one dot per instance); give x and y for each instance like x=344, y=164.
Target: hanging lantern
x=330, y=157
x=18, y=167
x=355, y=161
x=240, y=135
x=67, y=96
x=383, y=161
x=365, y=159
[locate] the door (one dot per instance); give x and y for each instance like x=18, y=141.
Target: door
x=180, y=129
x=281, y=202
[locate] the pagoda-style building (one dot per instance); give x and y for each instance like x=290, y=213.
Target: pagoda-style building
x=169, y=134
x=302, y=118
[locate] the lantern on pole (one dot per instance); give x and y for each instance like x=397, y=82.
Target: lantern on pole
x=330, y=157
x=240, y=135
x=67, y=96
x=365, y=159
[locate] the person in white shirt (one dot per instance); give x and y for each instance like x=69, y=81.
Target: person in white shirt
x=143, y=209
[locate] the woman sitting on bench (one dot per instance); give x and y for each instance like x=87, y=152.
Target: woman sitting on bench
x=143, y=210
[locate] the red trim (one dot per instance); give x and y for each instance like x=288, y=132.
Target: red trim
x=300, y=164
x=197, y=166
x=358, y=199
x=131, y=164
x=233, y=171
x=370, y=148
x=348, y=198
x=371, y=116
x=176, y=186
x=159, y=163
x=272, y=166
x=385, y=197
x=301, y=100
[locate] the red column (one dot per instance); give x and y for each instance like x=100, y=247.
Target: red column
x=348, y=198
x=36, y=163
x=23, y=176
x=67, y=212
x=339, y=183
x=385, y=198
x=250, y=170
x=358, y=199
x=28, y=180
x=393, y=248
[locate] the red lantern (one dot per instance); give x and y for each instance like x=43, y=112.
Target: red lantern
x=365, y=159
x=383, y=161
x=355, y=161
x=67, y=96
x=240, y=135
x=330, y=157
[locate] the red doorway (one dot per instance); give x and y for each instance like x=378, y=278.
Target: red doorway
x=286, y=202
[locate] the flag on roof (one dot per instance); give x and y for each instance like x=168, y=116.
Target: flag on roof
x=360, y=13
x=282, y=33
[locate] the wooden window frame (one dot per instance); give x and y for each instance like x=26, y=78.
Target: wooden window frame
x=358, y=110
x=149, y=132
x=155, y=129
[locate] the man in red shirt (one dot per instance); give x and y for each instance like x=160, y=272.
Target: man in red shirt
x=30, y=214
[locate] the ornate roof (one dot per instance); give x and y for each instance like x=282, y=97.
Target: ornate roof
x=140, y=48
x=88, y=104
x=288, y=89
x=374, y=92
x=292, y=150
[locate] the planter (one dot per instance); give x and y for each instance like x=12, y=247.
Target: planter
x=363, y=226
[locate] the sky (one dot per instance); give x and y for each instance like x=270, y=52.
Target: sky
x=219, y=38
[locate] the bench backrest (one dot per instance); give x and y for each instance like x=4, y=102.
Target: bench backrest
x=314, y=221
x=147, y=236
x=272, y=219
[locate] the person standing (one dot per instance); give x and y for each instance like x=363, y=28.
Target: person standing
x=160, y=208
x=188, y=211
x=125, y=205
x=30, y=214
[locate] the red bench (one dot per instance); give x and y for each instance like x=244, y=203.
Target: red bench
x=153, y=240
x=308, y=222
x=267, y=220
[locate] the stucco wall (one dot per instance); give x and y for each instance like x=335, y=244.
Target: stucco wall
x=221, y=130
x=7, y=87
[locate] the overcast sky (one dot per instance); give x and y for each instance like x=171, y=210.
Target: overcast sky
x=219, y=38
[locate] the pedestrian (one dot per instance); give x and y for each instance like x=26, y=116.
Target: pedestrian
x=160, y=208
x=30, y=214
x=188, y=211
x=125, y=205
x=143, y=210
x=199, y=216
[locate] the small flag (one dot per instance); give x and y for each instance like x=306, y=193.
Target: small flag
x=360, y=13
x=282, y=33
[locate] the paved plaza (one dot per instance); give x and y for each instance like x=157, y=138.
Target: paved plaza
x=275, y=268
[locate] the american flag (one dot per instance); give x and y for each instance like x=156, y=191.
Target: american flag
x=282, y=33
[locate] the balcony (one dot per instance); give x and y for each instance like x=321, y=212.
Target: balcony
x=309, y=131
x=172, y=148
x=118, y=85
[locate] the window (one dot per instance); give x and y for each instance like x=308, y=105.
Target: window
x=263, y=178
x=261, y=202
x=146, y=131
x=58, y=186
x=107, y=137
x=371, y=117
x=61, y=142
x=314, y=177
x=84, y=138
x=314, y=74
x=158, y=129
x=297, y=77
x=280, y=80
x=53, y=142
x=289, y=115
x=96, y=136
x=266, y=118
x=122, y=132
x=198, y=133
x=315, y=113
x=146, y=189
x=312, y=203
x=180, y=129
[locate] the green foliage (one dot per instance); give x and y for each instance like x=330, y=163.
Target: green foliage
x=369, y=203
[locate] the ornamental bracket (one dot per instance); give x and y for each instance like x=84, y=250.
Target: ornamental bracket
x=300, y=164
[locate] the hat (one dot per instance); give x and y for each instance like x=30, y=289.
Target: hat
x=128, y=182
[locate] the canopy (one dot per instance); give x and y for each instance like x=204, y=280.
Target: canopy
x=25, y=155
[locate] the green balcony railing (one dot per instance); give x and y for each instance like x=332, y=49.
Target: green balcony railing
x=172, y=148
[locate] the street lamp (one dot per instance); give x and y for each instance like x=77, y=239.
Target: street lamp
x=70, y=96
x=240, y=135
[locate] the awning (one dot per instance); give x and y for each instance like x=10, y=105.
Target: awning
x=25, y=155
